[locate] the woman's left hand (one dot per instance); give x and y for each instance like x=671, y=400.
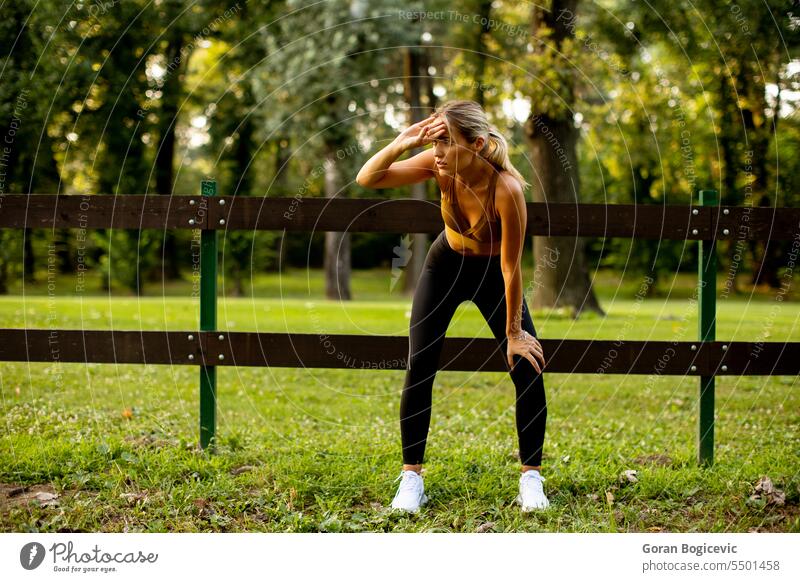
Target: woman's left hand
x=527, y=346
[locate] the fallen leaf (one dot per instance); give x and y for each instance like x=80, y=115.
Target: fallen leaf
x=242, y=469
x=766, y=490
x=132, y=498
x=46, y=499
x=764, y=485
x=629, y=476
x=609, y=498
x=484, y=527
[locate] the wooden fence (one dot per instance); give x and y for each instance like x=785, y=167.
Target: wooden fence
x=208, y=348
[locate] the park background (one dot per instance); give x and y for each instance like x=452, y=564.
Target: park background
x=646, y=103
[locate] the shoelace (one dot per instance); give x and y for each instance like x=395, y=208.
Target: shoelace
x=534, y=476
x=406, y=483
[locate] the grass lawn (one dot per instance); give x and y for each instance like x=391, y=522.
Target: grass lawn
x=103, y=447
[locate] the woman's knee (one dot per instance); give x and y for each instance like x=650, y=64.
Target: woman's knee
x=420, y=371
x=527, y=380
x=423, y=357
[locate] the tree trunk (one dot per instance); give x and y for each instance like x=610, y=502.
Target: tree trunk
x=758, y=135
x=280, y=185
x=728, y=140
x=413, y=89
x=643, y=179
x=337, y=244
x=165, y=153
x=561, y=278
x=29, y=262
x=428, y=96
x=283, y=155
x=481, y=52
x=240, y=253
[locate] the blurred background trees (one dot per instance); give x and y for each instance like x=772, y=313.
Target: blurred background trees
x=612, y=102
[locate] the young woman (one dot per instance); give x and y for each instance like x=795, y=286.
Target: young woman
x=476, y=258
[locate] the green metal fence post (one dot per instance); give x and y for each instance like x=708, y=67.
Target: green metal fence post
x=208, y=318
x=707, y=271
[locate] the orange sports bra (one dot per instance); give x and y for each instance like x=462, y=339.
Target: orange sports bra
x=484, y=237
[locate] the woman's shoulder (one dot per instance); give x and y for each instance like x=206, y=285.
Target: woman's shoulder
x=507, y=184
x=508, y=192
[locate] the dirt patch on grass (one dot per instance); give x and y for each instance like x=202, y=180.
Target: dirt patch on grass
x=654, y=459
x=40, y=503
x=43, y=495
x=151, y=441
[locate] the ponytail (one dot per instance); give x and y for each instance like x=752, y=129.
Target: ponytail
x=496, y=151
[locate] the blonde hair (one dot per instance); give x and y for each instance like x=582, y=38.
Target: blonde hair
x=470, y=119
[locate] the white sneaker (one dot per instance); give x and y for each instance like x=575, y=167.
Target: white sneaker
x=411, y=492
x=531, y=495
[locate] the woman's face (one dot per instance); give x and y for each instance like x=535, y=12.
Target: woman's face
x=452, y=152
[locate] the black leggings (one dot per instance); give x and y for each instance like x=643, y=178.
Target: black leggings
x=447, y=280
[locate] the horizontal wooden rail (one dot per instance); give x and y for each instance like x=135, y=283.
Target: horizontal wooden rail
x=136, y=211
x=298, y=350
x=208, y=348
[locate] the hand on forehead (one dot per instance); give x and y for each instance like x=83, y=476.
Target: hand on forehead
x=441, y=119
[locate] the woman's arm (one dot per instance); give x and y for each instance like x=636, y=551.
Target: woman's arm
x=381, y=170
x=510, y=205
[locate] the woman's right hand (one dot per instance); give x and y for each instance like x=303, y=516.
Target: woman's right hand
x=421, y=133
